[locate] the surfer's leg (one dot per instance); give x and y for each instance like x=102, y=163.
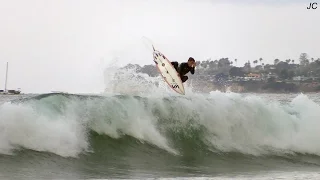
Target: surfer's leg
x=184, y=79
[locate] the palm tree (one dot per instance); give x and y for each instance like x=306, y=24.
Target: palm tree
x=255, y=62
x=260, y=60
x=288, y=61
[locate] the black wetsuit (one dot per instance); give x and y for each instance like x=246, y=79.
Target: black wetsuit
x=182, y=70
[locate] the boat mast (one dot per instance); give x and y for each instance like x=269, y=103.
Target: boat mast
x=5, y=85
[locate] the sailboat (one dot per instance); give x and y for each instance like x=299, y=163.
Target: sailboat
x=6, y=91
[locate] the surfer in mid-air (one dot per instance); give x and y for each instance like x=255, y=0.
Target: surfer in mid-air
x=184, y=68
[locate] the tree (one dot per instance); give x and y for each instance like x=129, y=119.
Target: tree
x=288, y=61
x=260, y=60
x=280, y=67
x=247, y=66
x=224, y=62
x=291, y=74
x=211, y=64
x=276, y=61
x=236, y=71
x=258, y=68
x=304, y=59
x=204, y=64
x=284, y=74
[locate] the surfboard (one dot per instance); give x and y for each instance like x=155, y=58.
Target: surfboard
x=168, y=72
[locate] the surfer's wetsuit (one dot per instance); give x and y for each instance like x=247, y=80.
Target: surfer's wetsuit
x=182, y=70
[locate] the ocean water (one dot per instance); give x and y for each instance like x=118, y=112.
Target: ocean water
x=197, y=136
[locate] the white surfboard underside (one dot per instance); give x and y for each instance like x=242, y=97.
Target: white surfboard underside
x=169, y=74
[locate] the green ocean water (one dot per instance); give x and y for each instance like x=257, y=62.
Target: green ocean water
x=203, y=136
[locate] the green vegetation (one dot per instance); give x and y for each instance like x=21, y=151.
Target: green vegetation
x=281, y=76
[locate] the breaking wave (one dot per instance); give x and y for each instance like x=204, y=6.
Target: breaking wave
x=70, y=125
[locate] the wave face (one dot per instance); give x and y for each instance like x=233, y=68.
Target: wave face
x=212, y=129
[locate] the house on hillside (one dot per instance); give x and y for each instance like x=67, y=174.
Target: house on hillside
x=303, y=78
x=253, y=76
x=271, y=75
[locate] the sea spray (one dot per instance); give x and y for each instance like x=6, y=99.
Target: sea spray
x=22, y=126
x=128, y=80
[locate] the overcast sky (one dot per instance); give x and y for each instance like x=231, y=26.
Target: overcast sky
x=66, y=44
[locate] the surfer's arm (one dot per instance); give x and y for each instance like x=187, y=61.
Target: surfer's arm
x=175, y=65
x=192, y=70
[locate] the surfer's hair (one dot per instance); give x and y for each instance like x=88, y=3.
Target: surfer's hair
x=191, y=59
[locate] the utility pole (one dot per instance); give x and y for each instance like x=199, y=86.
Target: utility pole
x=5, y=85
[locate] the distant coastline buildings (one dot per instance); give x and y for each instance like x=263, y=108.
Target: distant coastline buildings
x=281, y=76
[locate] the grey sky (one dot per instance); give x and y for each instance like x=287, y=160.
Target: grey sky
x=66, y=44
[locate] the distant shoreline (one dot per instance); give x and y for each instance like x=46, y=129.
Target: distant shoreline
x=258, y=87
